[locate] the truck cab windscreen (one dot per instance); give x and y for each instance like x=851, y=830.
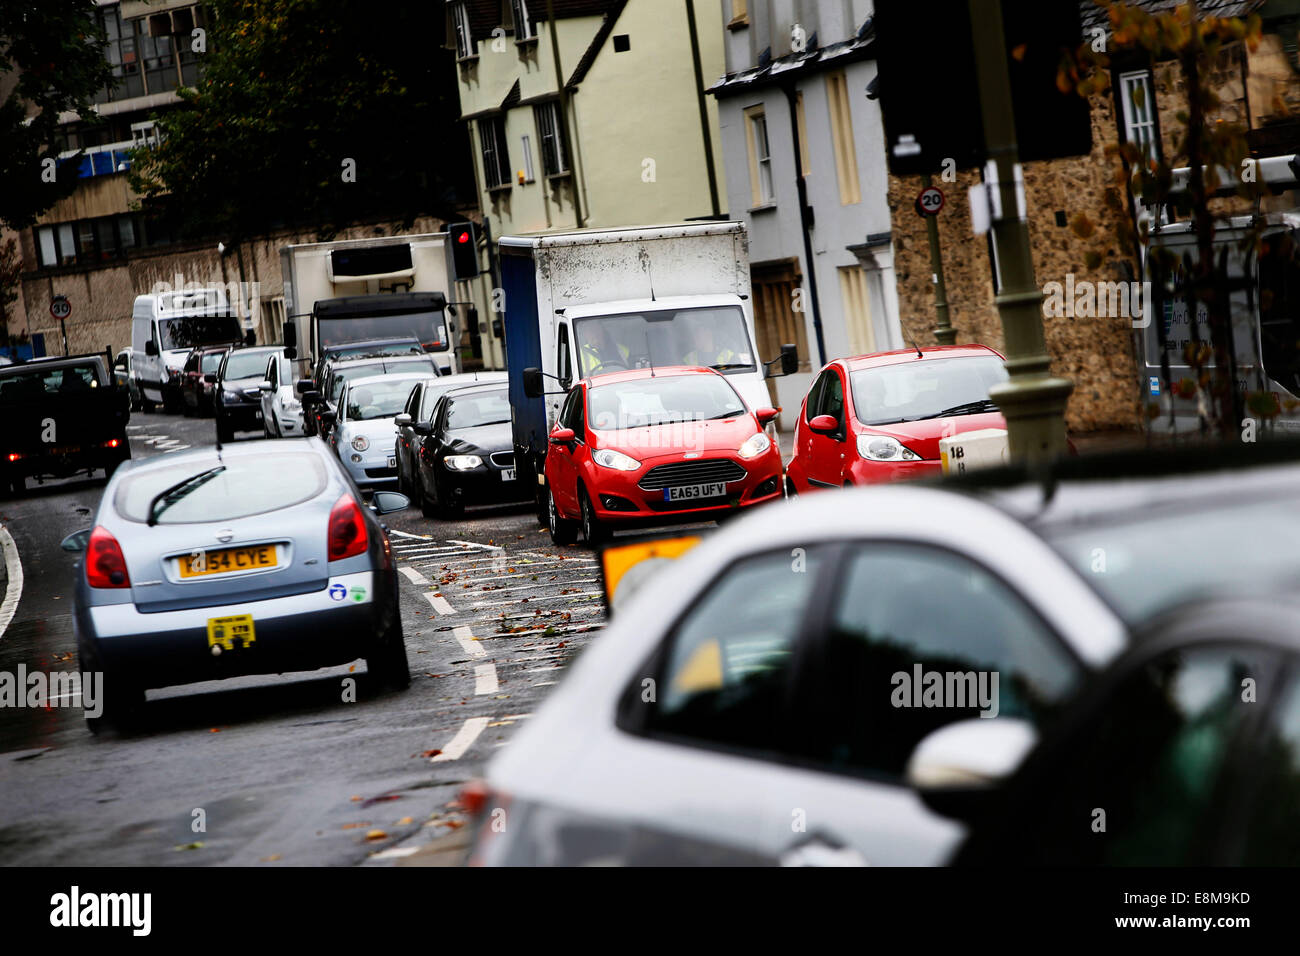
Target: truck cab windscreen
x=712, y=337
x=189, y=331
x=429, y=328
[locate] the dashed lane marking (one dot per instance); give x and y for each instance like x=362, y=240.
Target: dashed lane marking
x=405, y=534
x=477, y=544
x=439, y=603
x=485, y=679
x=464, y=739
x=465, y=638
x=14, y=570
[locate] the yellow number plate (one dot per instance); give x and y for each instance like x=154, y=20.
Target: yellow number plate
x=223, y=560
x=230, y=632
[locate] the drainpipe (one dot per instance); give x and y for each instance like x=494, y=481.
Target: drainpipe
x=704, y=110
x=806, y=224
x=564, y=105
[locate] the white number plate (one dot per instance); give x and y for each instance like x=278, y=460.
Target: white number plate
x=392, y=462
x=507, y=474
x=714, y=489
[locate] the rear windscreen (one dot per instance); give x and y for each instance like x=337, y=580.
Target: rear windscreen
x=248, y=486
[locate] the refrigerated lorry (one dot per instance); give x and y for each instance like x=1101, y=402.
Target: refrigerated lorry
x=597, y=300
x=359, y=290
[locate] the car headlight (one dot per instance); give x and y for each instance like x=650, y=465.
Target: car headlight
x=462, y=462
x=609, y=458
x=173, y=371
x=360, y=443
x=755, y=445
x=229, y=396
x=884, y=448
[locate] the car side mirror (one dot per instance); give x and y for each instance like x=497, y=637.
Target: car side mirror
x=533, y=385
x=386, y=502
x=789, y=359
x=824, y=424
x=151, y=347
x=250, y=337
x=402, y=420
x=210, y=378
x=766, y=416
x=327, y=417
x=310, y=397
x=291, y=337
x=303, y=386
x=563, y=436
x=957, y=768
x=77, y=541
x=264, y=386
x=422, y=428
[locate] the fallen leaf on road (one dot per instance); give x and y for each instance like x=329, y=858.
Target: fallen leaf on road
x=214, y=730
x=357, y=798
x=355, y=826
x=431, y=753
x=405, y=821
x=376, y=835
x=271, y=859
x=190, y=846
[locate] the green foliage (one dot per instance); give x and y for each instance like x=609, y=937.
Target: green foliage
x=51, y=61
x=290, y=90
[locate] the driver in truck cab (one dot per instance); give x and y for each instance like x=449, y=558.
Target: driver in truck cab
x=705, y=350
x=599, y=354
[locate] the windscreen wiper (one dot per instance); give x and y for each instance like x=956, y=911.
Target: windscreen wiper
x=728, y=365
x=983, y=405
x=169, y=496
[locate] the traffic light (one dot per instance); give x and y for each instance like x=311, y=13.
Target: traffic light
x=929, y=90
x=463, y=240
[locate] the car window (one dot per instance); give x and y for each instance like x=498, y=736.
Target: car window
x=1138, y=783
x=244, y=364
x=477, y=410
x=212, y=361
x=813, y=405
x=564, y=361
x=192, y=362
x=250, y=485
x=413, y=401
x=833, y=396
x=725, y=668
x=272, y=371
x=917, y=638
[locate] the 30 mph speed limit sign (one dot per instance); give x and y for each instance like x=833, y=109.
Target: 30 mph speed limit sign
x=60, y=307
x=930, y=202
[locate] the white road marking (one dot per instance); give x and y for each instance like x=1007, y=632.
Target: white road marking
x=168, y=443
x=463, y=740
x=542, y=584
x=476, y=544
x=418, y=537
x=14, y=569
x=394, y=852
x=439, y=603
x=178, y=448
x=536, y=601
x=517, y=717
x=414, y=576
x=465, y=637
x=485, y=679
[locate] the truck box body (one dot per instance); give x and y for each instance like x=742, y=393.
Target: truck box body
x=646, y=291
x=387, y=272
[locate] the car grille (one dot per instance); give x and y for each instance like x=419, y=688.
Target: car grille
x=691, y=473
x=503, y=459
x=381, y=472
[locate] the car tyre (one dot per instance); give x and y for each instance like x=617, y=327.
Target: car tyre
x=387, y=664
x=122, y=701
x=593, y=531
x=790, y=490
x=563, y=530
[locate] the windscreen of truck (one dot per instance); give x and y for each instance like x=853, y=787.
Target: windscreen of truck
x=1279, y=310
x=18, y=383
x=716, y=337
x=189, y=331
x=912, y=391
x=428, y=328
x=663, y=400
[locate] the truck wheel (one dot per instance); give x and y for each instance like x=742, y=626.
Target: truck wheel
x=563, y=531
x=16, y=486
x=593, y=531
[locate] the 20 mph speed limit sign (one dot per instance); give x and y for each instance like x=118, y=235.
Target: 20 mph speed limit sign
x=60, y=307
x=930, y=202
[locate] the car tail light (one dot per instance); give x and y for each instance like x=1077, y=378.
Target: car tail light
x=112, y=443
x=14, y=456
x=105, y=563
x=347, y=530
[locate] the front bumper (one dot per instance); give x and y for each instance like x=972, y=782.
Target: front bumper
x=863, y=472
x=373, y=470
x=618, y=498
x=484, y=484
x=334, y=625
x=241, y=417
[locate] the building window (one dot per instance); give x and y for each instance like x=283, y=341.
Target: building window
x=465, y=46
x=527, y=171
x=1139, y=112
x=857, y=310
x=760, y=157
x=120, y=49
x=87, y=241
x=550, y=131
x=846, y=154
x=524, y=29
x=496, y=163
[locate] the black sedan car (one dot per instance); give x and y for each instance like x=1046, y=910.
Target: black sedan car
x=467, y=453
x=237, y=403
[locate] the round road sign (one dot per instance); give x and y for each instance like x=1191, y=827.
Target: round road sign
x=60, y=307
x=930, y=202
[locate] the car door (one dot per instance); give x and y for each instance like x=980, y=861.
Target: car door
x=823, y=466
x=704, y=720
x=897, y=613
x=269, y=396
x=406, y=436
x=561, y=460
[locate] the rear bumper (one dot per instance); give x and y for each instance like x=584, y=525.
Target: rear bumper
x=59, y=466
x=334, y=625
x=241, y=417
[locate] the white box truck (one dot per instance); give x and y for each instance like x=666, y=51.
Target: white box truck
x=359, y=290
x=596, y=300
x=165, y=326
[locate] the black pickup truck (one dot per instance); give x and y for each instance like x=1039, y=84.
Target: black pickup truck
x=61, y=417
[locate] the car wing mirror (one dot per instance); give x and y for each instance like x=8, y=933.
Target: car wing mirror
x=310, y=397
x=77, y=541
x=562, y=436
x=402, y=420
x=789, y=359
x=264, y=386
x=386, y=502
x=210, y=378
x=422, y=428
x=303, y=386
x=766, y=416
x=151, y=347
x=824, y=424
x=533, y=384
x=956, y=768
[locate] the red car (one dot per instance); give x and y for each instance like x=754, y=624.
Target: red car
x=195, y=392
x=879, y=417
x=656, y=446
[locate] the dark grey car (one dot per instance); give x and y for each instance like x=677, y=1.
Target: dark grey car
x=262, y=559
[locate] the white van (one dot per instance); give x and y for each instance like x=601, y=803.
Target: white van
x=165, y=327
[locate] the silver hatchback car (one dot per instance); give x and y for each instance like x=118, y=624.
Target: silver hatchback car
x=259, y=560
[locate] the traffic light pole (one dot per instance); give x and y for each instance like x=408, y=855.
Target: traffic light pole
x=1032, y=400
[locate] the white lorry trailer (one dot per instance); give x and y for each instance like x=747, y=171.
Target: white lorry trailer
x=361, y=290
x=591, y=301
